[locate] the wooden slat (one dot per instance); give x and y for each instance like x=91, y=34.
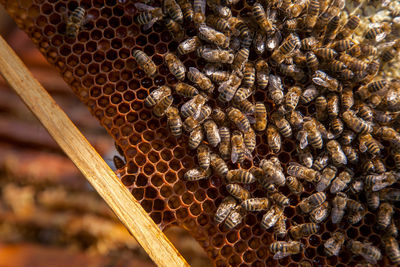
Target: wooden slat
x=87, y=160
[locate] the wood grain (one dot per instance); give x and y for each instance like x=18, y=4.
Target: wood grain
x=88, y=161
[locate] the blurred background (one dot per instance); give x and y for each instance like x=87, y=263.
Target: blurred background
x=49, y=214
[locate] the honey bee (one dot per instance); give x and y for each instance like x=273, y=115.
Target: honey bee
x=218, y=165
x=309, y=94
x=189, y=45
x=333, y=105
x=239, y=119
x=197, y=174
x=260, y=115
x=346, y=74
x=262, y=19
x=343, y=45
x=203, y=156
x=262, y=75
x=379, y=165
x=334, y=244
x=336, y=153
x=357, y=186
x=325, y=53
x=239, y=150
x=331, y=30
x=347, y=137
x=302, y=172
x=347, y=99
x=305, y=157
x=218, y=116
x=296, y=119
x=378, y=32
x=155, y=96
x=200, y=79
x=161, y=107
x=225, y=145
x=322, y=79
x=350, y=26
x=320, y=213
x=215, y=55
x=223, y=210
x=337, y=127
x=312, y=135
x=354, y=205
x=242, y=94
x=273, y=171
x=212, y=133
x=392, y=248
x=294, y=185
x=199, y=12
x=282, y=124
x=385, y=214
x=75, y=21
x=193, y=106
x=327, y=175
x=145, y=62
x=245, y=106
x=212, y=36
x=256, y=204
x=215, y=74
x=238, y=191
x=196, y=136
x=392, y=230
x=370, y=253
x=321, y=162
x=175, y=29
x=321, y=105
x=389, y=134
x=249, y=75
x=249, y=139
x=282, y=249
x=309, y=43
x=355, y=123
x=390, y=194
x=338, y=207
x=185, y=90
x=280, y=227
x=218, y=23
x=235, y=217
x=285, y=49
x=259, y=43
x=292, y=98
x=354, y=64
x=174, y=121
x=302, y=230
x=341, y=181
x=119, y=163
x=312, y=15
x=368, y=143
x=228, y=88
x=175, y=66
x=312, y=61
x=274, y=138
x=187, y=9
x=240, y=176
x=373, y=200
x=270, y=218
x=205, y=112
x=311, y=202
x=280, y=199
x=241, y=58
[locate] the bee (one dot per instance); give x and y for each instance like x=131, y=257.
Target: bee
x=355, y=51
x=294, y=185
x=376, y=86
x=218, y=116
x=354, y=64
x=218, y=165
x=225, y=145
x=370, y=253
x=312, y=135
x=242, y=94
x=331, y=30
x=302, y=230
x=373, y=200
x=199, y=12
x=337, y=127
x=327, y=175
x=174, y=121
x=212, y=36
x=341, y=181
x=256, y=204
x=384, y=117
x=350, y=26
x=347, y=137
x=240, y=176
x=357, y=186
x=193, y=106
x=245, y=106
x=228, y=88
x=187, y=9
x=368, y=143
x=347, y=99
x=353, y=205
x=172, y=8
x=270, y=218
x=161, y=107
x=333, y=105
x=238, y=191
x=239, y=150
x=200, y=79
x=295, y=118
x=355, y=123
x=392, y=248
x=321, y=162
x=219, y=10
x=189, y=45
x=212, y=133
x=273, y=171
x=291, y=24
x=312, y=61
x=155, y=96
x=215, y=55
x=260, y=115
x=175, y=66
x=205, y=112
x=280, y=199
x=325, y=53
x=309, y=94
x=336, y=153
x=262, y=19
x=389, y=134
x=309, y=43
x=305, y=157
x=262, y=75
x=379, y=165
x=320, y=213
x=239, y=119
x=351, y=154
x=282, y=249
x=343, y=45
x=321, y=105
x=249, y=139
x=280, y=227
x=385, y=214
x=392, y=230
x=378, y=32
x=203, y=156
x=249, y=75
x=218, y=23
x=282, y=124
x=390, y=194
x=196, y=136
x=334, y=244
x=311, y=202
x=346, y=74
x=322, y=79
x=241, y=58
x=338, y=207
x=312, y=15
x=75, y=21
x=292, y=98
x=235, y=217
x=223, y=210
x=197, y=174
x=175, y=29
x=273, y=138
x=145, y=62
x=302, y=172
x=285, y=49
x=185, y=90
x=119, y=163
x=259, y=43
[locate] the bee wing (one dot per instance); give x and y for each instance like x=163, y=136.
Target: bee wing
x=280, y=255
x=302, y=137
x=234, y=154
x=143, y=7
x=362, y=147
x=251, y=119
x=248, y=154
x=368, y=258
x=380, y=37
x=150, y=24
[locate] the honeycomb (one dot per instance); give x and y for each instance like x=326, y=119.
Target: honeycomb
x=99, y=67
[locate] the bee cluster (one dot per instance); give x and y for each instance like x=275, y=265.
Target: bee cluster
x=307, y=44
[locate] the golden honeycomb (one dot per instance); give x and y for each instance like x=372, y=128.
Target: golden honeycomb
x=99, y=67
